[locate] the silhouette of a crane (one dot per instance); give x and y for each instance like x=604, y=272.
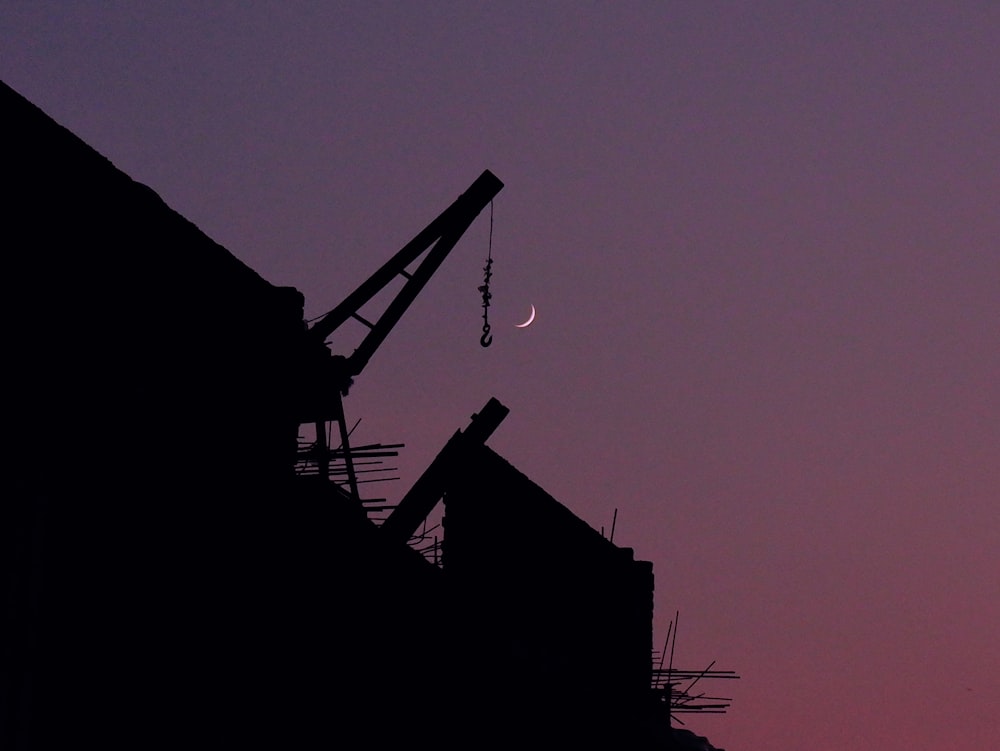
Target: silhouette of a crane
x=332, y=375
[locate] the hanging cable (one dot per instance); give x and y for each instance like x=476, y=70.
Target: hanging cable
x=487, y=339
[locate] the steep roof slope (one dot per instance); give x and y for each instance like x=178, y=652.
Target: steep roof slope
x=149, y=425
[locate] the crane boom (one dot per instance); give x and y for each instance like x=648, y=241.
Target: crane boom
x=443, y=233
x=333, y=374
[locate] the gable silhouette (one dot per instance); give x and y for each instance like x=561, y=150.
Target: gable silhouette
x=173, y=582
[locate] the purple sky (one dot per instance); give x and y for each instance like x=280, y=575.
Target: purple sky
x=762, y=245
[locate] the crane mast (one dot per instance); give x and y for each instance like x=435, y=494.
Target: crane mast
x=332, y=375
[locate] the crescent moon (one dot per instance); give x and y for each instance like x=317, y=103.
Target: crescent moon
x=528, y=322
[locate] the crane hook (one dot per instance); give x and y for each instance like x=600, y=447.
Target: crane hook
x=486, y=339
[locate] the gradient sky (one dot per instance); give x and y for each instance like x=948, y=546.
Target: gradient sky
x=762, y=239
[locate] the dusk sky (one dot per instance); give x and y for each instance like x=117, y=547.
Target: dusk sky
x=763, y=243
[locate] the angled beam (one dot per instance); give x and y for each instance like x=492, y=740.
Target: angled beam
x=427, y=491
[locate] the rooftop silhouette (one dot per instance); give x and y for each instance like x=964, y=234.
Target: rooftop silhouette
x=174, y=581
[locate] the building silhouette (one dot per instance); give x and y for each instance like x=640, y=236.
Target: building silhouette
x=170, y=580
